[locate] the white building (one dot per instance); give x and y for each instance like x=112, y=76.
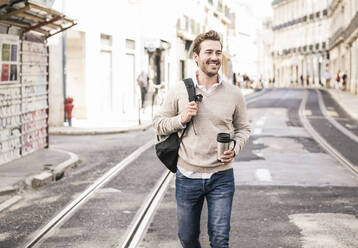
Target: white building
x=243, y=39
x=300, y=41
x=343, y=41
x=110, y=46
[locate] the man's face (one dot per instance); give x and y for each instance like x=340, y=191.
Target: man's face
x=209, y=58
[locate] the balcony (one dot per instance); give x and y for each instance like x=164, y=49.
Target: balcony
x=276, y=2
x=352, y=28
x=336, y=38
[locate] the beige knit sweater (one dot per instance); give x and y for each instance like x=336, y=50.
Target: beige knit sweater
x=223, y=110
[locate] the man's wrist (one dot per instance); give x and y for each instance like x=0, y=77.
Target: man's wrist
x=183, y=125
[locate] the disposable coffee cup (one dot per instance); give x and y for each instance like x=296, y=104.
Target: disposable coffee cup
x=223, y=144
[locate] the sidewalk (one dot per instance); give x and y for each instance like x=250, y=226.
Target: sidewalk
x=48, y=165
x=32, y=171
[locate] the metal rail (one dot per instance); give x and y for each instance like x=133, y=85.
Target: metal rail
x=320, y=140
x=142, y=220
x=74, y=205
x=336, y=124
x=144, y=216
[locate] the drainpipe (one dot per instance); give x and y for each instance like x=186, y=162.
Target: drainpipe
x=64, y=69
x=64, y=64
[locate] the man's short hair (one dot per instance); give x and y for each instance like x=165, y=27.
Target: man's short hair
x=210, y=35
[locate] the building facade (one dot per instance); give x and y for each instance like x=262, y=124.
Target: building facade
x=243, y=39
x=103, y=55
x=343, y=43
x=264, y=46
x=300, y=42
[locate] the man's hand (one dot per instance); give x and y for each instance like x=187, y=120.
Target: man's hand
x=190, y=110
x=228, y=156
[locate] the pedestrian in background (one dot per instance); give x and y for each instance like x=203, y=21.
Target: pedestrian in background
x=200, y=175
x=338, y=80
x=142, y=81
x=239, y=80
x=302, y=80
x=344, y=81
x=68, y=108
x=328, y=78
x=307, y=80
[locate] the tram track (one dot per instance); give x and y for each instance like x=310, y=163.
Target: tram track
x=322, y=141
x=141, y=221
x=72, y=207
x=139, y=224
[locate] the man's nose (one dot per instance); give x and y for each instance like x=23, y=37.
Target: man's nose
x=214, y=56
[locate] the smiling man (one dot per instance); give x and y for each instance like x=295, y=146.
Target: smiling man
x=201, y=176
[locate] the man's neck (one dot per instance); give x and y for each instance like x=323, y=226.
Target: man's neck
x=205, y=80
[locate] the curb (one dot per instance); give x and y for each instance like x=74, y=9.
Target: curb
x=336, y=99
x=100, y=131
x=56, y=173
x=38, y=180
x=8, y=190
x=8, y=203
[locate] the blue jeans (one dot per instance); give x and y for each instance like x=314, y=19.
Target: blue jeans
x=218, y=192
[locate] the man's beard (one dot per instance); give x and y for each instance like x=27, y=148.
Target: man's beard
x=211, y=74
x=208, y=73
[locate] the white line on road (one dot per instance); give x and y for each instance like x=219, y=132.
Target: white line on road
x=263, y=175
x=257, y=131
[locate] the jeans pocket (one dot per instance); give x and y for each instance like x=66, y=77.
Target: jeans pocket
x=180, y=175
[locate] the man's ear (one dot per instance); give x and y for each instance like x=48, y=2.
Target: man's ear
x=196, y=57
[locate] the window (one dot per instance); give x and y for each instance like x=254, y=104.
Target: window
x=186, y=21
x=130, y=44
x=106, y=40
x=192, y=26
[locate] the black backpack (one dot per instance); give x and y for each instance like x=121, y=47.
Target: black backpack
x=167, y=150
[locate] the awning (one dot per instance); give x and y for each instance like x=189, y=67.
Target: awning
x=33, y=17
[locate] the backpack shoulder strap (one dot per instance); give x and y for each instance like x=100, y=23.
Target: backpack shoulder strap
x=189, y=84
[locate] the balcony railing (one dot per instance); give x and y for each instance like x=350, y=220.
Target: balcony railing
x=310, y=48
x=275, y=2
x=334, y=5
x=336, y=37
x=351, y=27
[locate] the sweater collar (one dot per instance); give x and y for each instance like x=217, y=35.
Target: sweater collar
x=202, y=87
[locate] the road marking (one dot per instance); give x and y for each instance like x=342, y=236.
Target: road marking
x=258, y=153
x=307, y=112
x=261, y=121
x=332, y=113
x=351, y=126
x=257, y=131
x=328, y=230
x=263, y=175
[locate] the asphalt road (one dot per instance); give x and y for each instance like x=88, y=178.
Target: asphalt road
x=289, y=191
x=98, y=155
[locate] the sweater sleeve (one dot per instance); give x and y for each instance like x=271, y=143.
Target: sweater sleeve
x=241, y=124
x=166, y=121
